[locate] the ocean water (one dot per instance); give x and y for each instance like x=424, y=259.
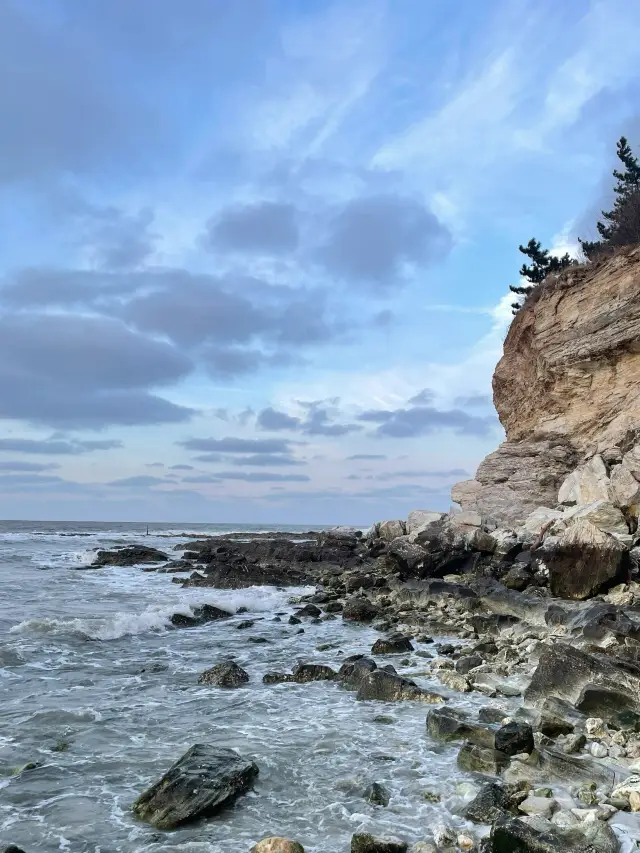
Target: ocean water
x=101, y=695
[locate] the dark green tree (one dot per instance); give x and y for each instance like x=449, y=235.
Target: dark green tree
x=542, y=265
x=620, y=225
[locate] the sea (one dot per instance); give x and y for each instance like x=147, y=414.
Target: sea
x=99, y=696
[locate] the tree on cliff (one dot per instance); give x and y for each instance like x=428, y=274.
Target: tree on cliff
x=542, y=264
x=620, y=226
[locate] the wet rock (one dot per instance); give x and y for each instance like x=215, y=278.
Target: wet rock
x=443, y=836
x=226, y=674
x=303, y=673
x=491, y=715
x=132, y=555
x=201, y=615
x=354, y=670
x=514, y=738
x=518, y=578
x=365, y=843
x=277, y=678
x=198, y=785
x=293, y=620
x=360, y=610
x=386, y=687
x=454, y=681
x=258, y=640
x=481, y=759
x=246, y=623
x=277, y=845
x=377, y=795
x=490, y=803
x=395, y=644
x=450, y=724
x=333, y=607
x=539, y=806
x=309, y=610
x=468, y=662
x=512, y=835
x=13, y=849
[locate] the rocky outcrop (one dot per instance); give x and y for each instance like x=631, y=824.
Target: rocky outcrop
x=566, y=389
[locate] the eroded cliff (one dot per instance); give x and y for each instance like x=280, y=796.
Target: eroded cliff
x=566, y=388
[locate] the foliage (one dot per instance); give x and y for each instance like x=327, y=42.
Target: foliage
x=542, y=264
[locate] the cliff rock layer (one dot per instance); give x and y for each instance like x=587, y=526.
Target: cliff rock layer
x=567, y=387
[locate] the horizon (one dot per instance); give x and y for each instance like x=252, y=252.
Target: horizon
x=256, y=257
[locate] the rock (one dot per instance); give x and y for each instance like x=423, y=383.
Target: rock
x=198, y=785
x=454, y=681
x=365, y=843
x=359, y=610
x=624, y=790
x=13, y=849
x=394, y=644
x=226, y=674
x=588, y=483
x=517, y=578
x=419, y=518
x=377, y=794
x=423, y=847
x=468, y=662
x=386, y=687
x=276, y=678
x=602, y=514
x=354, y=670
x=625, y=489
x=574, y=743
x=277, y=845
x=541, y=806
x=405, y=556
x=390, y=530
x=512, y=835
x=201, y=615
x=303, y=673
x=481, y=759
x=246, y=623
x=514, y=738
x=309, y=610
x=131, y=555
x=449, y=724
x=488, y=805
x=443, y=836
x=540, y=518
x=585, y=561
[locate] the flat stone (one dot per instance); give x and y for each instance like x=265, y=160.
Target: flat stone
x=480, y=759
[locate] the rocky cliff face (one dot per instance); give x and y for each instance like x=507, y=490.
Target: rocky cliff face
x=567, y=389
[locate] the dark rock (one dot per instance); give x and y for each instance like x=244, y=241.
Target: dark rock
x=201, y=615
x=514, y=738
x=359, y=581
x=293, y=620
x=468, y=662
x=258, y=640
x=198, y=785
x=395, y=644
x=377, y=795
x=13, y=849
x=494, y=623
x=388, y=667
x=132, y=555
x=446, y=649
x=511, y=835
x=226, y=674
x=354, y=670
x=276, y=678
x=584, y=562
x=333, y=607
x=405, y=557
x=360, y=610
x=365, y=843
x=387, y=687
x=488, y=805
x=482, y=759
x=449, y=724
x=557, y=717
x=303, y=673
x=492, y=715
x=309, y=610
x=517, y=578
x=246, y=623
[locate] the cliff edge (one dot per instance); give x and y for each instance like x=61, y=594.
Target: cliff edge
x=567, y=390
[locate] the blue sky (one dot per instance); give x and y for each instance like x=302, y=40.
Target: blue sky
x=255, y=256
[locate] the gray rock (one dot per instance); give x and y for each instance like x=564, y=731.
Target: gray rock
x=226, y=674
x=365, y=843
x=198, y=785
x=377, y=795
x=514, y=738
x=354, y=670
x=393, y=645
x=390, y=530
x=512, y=835
x=387, y=687
x=201, y=615
x=468, y=662
x=450, y=724
x=490, y=803
x=303, y=673
x=359, y=610
x=481, y=759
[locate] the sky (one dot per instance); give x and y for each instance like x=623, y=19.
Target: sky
x=255, y=256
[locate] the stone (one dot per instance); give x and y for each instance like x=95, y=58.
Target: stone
x=540, y=518
x=588, y=483
x=377, y=795
x=404, y=555
x=454, y=681
x=277, y=845
x=365, y=843
x=394, y=644
x=518, y=578
x=226, y=674
x=303, y=673
x=309, y=610
x=602, y=514
x=443, y=835
x=480, y=759
x=541, y=806
x=390, y=530
x=276, y=678
x=131, y=555
x=488, y=805
x=513, y=835
x=585, y=561
x=423, y=847
x=388, y=687
x=625, y=489
x=201, y=615
x=450, y=724
x=204, y=780
x=468, y=662
x=514, y=738
x=419, y=518
x=359, y=610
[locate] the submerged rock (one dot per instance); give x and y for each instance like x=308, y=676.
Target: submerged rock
x=394, y=644
x=277, y=845
x=377, y=794
x=199, y=784
x=354, y=670
x=306, y=672
x=226, y=674
x=388, y=687
x=201, y=615
x=365, y=843
x=132, y=555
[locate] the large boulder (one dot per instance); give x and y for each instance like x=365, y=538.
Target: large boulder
x=451, y=724
x=131, y=555
x=394, y=644
x=514, y=738
x=419, y=518
x=303, y=673
x=512, y=835
x=366, y=843
x=405, y=556
x=386, y=686
x=198, y=785
x=390, y=530
x=588, y=483
x=625, y=488
x=359, y=610
x=354, y=670
x=225, y=674
x=277, y=845
x=200, y=616
x=584, y=561
x=602, y=514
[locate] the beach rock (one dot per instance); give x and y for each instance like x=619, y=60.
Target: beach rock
x=481, y=759
x=585, y=561
x=394, y=644
x=517, y=578
x=277, y=678
x=454, y=681
x=277, y=845
x=365, y=843
x=226, y=674
x=468, y=662
x=405, y=556
x=602, y=514
x=354, y=670
x=625, y=487
x=419, y=518
x=490, y=803
x=513, y=835
x=359, y=610
x=303, y=673
x=198, y=785
x=449, y=724
x=377, y=795
x=13, y=849
x=390, y=530
x=201, y=615
x=514, y=738
x=131, y=555
x=588, y=483
x=385, y=686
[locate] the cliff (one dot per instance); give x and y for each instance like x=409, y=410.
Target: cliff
x=566, y=389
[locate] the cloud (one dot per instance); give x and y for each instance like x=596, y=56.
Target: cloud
x=16, y=465
x=260, y=460
x=201, y=478
x=237, y=445
x=181, y=467
x=424, y=420
x=271, y=419
x=140, y=481
x=373, y=240
x=154, y=465
x=262, y=477
x=318, y=420
x=473, y=401
x=424, y=398
x=266, y=227
x=422, y=474
x=365, y=456
x=55, y=446
x=117, y=240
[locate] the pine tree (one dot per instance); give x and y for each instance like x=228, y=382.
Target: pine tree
x=543, y=264
x=620, y=225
